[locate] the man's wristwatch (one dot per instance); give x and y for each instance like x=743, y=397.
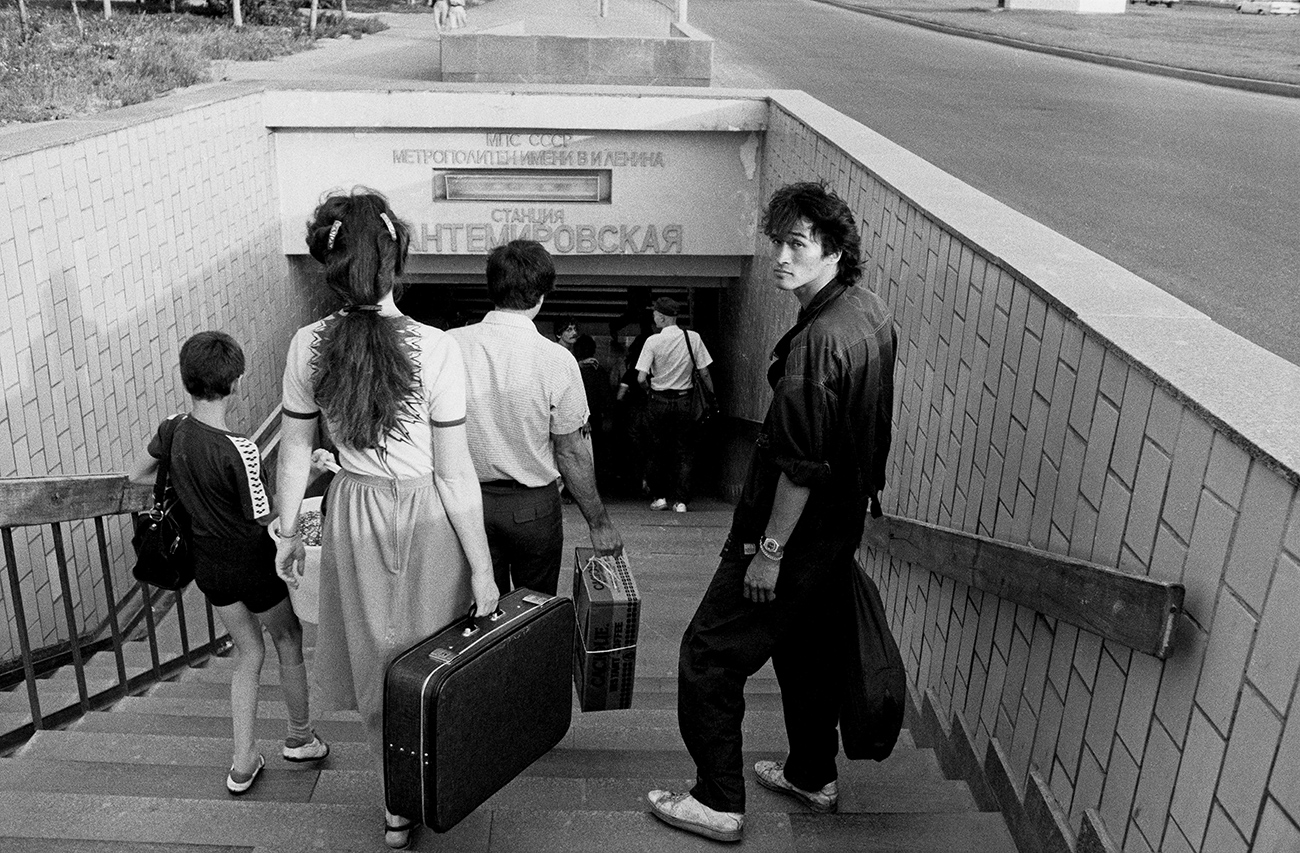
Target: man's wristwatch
x=771, y=549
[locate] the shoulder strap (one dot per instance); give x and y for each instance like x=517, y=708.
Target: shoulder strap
x=694, y=366
x=165, y=461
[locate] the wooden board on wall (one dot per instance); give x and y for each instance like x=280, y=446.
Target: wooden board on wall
x=1139, y=612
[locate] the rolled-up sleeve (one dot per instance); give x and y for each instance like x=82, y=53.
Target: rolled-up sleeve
x=800, y=424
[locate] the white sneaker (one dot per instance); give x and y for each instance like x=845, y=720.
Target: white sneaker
x=659, y=504
x=685, y=812
x=771, y=775
x=313, y=750
x=679, y=507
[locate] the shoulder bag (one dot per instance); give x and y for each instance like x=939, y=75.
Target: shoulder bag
x=162, y=535
x=704, y=404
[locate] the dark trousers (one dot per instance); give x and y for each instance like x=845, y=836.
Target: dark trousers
x=672, y=433
x=525, y=533
x=730, y=639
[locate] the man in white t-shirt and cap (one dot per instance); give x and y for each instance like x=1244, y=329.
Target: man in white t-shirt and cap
x=666, y=370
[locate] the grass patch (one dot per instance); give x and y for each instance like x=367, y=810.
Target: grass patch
x=56, y=70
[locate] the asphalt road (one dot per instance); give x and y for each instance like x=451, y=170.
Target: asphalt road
x=1195, y=188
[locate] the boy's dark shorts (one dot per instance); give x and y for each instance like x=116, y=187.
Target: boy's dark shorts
x=238, y=570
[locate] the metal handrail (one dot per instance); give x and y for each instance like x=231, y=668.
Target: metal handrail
x=52, y=502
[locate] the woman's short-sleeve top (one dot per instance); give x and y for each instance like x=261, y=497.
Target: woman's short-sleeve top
x=438, y=400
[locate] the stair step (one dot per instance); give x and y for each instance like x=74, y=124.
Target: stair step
x=153, y=750
x=71, y=845
x=295, y=826
x=281, y=781
x=264, y=728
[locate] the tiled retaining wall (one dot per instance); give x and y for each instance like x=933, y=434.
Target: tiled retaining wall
x=1048, y=398
x=121, y=237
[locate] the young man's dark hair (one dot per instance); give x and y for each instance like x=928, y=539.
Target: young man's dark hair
x=518, y=274
x=832, y=223
x=210, y=364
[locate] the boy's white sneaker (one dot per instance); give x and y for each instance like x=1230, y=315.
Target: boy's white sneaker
x=313, y=750
x=771, y=775
x=685, y=812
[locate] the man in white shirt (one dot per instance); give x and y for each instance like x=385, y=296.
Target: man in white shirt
x=666, y=370
x=526, y=407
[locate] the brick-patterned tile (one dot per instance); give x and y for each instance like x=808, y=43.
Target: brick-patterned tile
x=1292, y=541
x=1074, y=723
x=1278, y=831
x=1226, y=473
x=1113, y=514
x=1254, y=738
x=1088, y=790
x=1206, y=556
x=1284, y=784
x=1197, y=775
x=1225, y=660
x=1088, y=376
x=1118, y=790
x=1179, y=679
x=1132, y=426
x=1107, y=695
x=1187, y=474
x=1155, y=785
x=1274, y=662
x=1101, y=440
x=1264, y=508
x=1148, y=495
x=1221, y=836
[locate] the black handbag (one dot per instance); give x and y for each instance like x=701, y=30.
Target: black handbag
x=162, y=535
x=704, y=405
x=871, y=711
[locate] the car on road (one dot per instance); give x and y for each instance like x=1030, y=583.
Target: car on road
x=1269, y=7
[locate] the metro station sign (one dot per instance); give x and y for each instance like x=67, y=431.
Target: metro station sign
x=578, y=193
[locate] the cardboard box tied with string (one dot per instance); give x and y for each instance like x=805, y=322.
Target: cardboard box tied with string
x=608, y=609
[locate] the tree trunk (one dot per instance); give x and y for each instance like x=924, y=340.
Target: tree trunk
x=108, y=9
x=238, y=13
x=343, y=10
x=315, y=12
x=22, y=20
x=76, y=16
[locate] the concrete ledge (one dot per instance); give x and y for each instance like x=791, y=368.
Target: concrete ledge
x=507, y=54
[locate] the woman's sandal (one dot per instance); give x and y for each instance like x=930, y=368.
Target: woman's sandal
x=398, y=837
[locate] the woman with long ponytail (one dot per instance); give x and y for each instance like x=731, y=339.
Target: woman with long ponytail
x=403, y=549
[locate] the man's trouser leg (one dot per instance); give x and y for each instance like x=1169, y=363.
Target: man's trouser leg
x=809, y=668
x=684, y=434
x=728, y=640
x=659, y=430
x=525, y=532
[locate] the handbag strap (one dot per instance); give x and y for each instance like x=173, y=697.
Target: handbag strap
x=695, y=368
x=164, y=463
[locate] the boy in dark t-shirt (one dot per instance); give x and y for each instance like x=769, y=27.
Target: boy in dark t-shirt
x=217, y=475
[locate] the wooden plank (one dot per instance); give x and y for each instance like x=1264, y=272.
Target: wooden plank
x=1139, y=612
x=44, y=500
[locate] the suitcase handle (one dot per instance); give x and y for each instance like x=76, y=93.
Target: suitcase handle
x=473, y=627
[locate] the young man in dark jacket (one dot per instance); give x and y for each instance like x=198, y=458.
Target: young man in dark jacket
x=817, y=466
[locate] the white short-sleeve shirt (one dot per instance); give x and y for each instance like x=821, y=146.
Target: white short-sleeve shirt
x=407, y=451
x=666, y=359
x=522, y=388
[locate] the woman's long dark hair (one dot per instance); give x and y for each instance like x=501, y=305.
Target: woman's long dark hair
x=364, y=372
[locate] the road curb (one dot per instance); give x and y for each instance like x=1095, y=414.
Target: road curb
x=1266, y=87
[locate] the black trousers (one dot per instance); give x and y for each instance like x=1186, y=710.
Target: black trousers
x=730, y=639
x=672, y=433
x=525, y=533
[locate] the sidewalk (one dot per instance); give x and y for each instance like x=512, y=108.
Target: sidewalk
x=1208, y=45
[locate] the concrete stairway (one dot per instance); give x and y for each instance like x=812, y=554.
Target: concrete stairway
x=149, y=774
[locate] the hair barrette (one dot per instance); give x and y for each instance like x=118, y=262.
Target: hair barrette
x=392, y=232
x=334, y=232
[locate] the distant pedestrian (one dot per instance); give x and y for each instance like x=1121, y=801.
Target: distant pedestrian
x=666, y=368
x=455, y=14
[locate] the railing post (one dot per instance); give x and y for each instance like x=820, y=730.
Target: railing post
x=152, y=629
x=74, y=634
x=101, y=539
x=20, y=615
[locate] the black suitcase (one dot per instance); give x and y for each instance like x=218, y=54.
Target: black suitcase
x=469, y=708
